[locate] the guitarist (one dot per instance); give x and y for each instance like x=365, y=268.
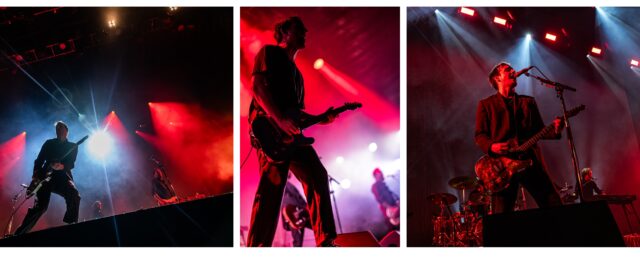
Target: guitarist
x=506, y=116
x=278, y=92
x=60, y=155
x=388, y=202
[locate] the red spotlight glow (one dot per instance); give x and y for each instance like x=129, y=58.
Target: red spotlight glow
x=500, y=21
x=467, y=11
x=11, y=152
x=318, y=64
x=551, y=37
x=596, y=50
x=635, y=62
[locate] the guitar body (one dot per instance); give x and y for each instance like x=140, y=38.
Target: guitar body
x=393, y=214
x=295, y=216
x=276, y=144
x=496, y=172
x=279, y=146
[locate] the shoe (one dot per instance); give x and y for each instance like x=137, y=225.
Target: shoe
x=329, y=243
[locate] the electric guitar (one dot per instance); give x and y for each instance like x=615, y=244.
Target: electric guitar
x=496, y=172
x=295, y=216
x=276, y=144
x=43, y=174
x=393, y=214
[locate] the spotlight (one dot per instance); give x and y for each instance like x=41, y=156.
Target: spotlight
x=551, y=37
x=635, y=62
x=467, y=11
x=437, y=11
x=528, y=37
x=111, y=23
x=339, y=159
x=500, y=21
x=173, y=8
x=596, y=50
x=345, y=184
x=373, y=147
x=100, y=144
x=318, y=64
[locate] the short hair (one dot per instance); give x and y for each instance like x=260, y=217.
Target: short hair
x=284, y=26
x=376, y=171
x=584, y=172
x=60, y=123
x=494, y=72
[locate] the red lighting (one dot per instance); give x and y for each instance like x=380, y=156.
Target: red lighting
x=596, y=50
x=467, y=11
x=318, y=64
x=62, y=46
x=635, y=62
x=500, y=21
x=551, y=37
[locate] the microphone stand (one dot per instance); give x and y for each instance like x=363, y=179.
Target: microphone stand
x=574, y=155
x=14, y=200
x=333, y=196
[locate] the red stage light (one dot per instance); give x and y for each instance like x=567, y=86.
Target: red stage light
x=596, y=50
x=635, y=62
x=62, y=46
x=551, y=37
x=499, y=20
x=467, y=11
x=318, y=64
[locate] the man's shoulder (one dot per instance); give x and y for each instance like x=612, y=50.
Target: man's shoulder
x=49, y=141
x=489, y=99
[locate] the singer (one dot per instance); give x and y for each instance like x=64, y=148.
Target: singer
x=507, y=116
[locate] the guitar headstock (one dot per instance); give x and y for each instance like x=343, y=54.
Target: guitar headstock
x=352, y=105
x=82, y=140
x=573, y=112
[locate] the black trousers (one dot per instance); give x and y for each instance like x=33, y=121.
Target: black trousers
x=306, y=166
x=537, y=182
x=61, y=184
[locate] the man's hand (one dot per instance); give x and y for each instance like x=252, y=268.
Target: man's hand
x=57, y=166
x=288, y=126
x=558, y=124
x=500, y=148
x=330, y=115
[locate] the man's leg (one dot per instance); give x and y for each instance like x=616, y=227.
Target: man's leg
x=266, y=205
x=541, y=188
x=306, y=166
x=505, y=200
x=67, y=189
x=298, y=237
x=40, y=205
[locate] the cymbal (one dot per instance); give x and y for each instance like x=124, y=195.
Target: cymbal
x=463, y=182
x=442, y=198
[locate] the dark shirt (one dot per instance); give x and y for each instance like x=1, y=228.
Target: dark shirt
x=588, y=190
x=284, y=81
x=496, y=121
x=54, y=150
x=383, y=194
x=293, y=197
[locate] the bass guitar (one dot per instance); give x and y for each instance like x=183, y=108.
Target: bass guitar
x=276, y=144
x=496, y=172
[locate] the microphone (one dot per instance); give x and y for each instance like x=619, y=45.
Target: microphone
x=524, y=71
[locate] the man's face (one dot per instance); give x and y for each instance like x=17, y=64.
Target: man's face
x=588, y=176
x=506, y=77
x=295, y=36
x=61, y=132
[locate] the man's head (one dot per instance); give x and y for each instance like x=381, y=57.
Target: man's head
x=586, y=174
x=377, y=175
x=503, y=75
x=291, y=32
x=61, y=130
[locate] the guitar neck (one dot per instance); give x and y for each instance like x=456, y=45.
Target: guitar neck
x=319, y=118
x=533, y=140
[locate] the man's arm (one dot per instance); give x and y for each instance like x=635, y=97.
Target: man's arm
x=39, y=162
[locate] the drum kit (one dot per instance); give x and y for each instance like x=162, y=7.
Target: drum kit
x=463, y=228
